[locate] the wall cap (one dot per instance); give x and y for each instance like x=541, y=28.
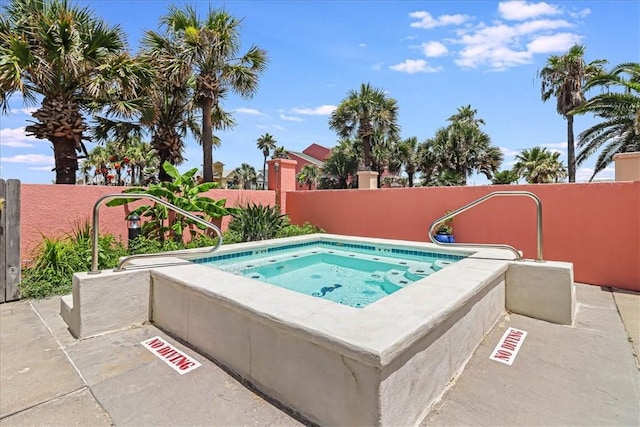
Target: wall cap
x=622, y=156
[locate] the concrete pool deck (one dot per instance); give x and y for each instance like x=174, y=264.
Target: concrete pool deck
x=581, y=375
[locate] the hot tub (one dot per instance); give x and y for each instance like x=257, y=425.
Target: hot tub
x=383, y=364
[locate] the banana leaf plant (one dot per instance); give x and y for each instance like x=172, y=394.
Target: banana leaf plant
x=183, y=192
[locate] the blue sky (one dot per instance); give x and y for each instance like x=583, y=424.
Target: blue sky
x=431, y=56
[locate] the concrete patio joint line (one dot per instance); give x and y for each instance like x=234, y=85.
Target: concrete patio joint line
x=60, y=346
x=53, y=399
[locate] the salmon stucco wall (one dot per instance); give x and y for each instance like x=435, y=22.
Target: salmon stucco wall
x=595, y=226
x=56, y=210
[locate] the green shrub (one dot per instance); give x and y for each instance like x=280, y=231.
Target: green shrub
x=230, y=237
x=257, y=222
x=291, y=230
x=56, y=259
x=182, y=192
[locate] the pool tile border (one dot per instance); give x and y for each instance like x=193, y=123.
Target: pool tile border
x=399, y=251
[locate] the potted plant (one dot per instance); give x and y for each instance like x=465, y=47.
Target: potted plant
x=444, y=232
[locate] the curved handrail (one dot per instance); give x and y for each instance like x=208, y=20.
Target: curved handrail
x=126, y=260
x=486, y=245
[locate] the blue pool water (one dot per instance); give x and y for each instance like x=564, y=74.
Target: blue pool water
x=350, y=274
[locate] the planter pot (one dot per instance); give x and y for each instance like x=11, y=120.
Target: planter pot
x=444, y=238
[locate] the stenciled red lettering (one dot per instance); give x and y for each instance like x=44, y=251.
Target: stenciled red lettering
x=178, y=359
x=508, y=346
x=185, y=365
x=170, y=354
x=156, y=343
x=501, y=354
x=164, y=350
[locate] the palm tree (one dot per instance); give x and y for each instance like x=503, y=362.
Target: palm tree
x=466, y=114
x=211, y=48
x=139, y=155
x=408, y=155
x=99, y=159
x=428, y=155
x=280, y=153
x=308, y=175
x=620, y=130
x=341, y=165
x=393, y=158
x=266, y=143
x=448, y=178
x=384, y=156
x=564, y=77
x=505, y=177
x=245, y=175
x=463, y=148
x=75, y=61
x=539, y=166
x=85, y=169
x=364, y=114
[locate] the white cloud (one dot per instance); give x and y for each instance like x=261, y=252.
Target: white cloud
x=580, y=14
x=291, y=118
x=29, y=158
x=411, y=66
x=251, y=111
x=322, y=110
x=16, y=137
x=555, y=43
x=584, y=174
x=519, y=10
x=496, y=57
x=509, y=152
x=377, y=67
x=362, y=44
x=555, y=145
x=425, y=20
x=433, y=49
x=41, y=168
x=524, y=30
x=271, y=127
x=541, y=25
x=500, y=46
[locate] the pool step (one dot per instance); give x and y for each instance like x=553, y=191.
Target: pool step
x=421, y=271
x=398, y=277
x=440, y=264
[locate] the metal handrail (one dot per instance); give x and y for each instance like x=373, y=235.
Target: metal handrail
x=126, y=260
x=485, y=245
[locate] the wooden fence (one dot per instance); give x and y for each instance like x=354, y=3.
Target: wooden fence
x=9, y=240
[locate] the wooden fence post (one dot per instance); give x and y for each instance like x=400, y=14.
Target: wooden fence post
x=10, y=267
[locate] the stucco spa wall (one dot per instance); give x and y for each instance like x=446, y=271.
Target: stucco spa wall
x=53, y=210
x=594, y=226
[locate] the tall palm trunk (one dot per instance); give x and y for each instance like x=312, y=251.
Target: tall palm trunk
x=60, y=121
x=207, y=140
x=264, y=172
x=571, y=150
x=162, y=174
x=365, y=133
x=366, y=150
x=64, y=152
